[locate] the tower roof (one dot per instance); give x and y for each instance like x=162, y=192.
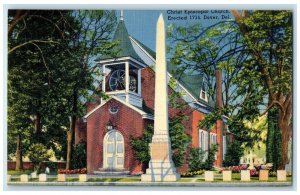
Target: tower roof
x=124, y=47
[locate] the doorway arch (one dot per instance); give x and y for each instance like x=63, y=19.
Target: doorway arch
x=113, y=150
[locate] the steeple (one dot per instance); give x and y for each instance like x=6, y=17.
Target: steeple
x=124, y=48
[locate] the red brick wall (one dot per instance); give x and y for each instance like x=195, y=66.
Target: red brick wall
x=197, y=116
x=91, y=105
x=127, y=121
x=11, y=165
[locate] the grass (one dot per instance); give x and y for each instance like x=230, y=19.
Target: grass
x=237, y=178
x=71, y=179
x=218, y=178
x=185, y=180
x=13, y=172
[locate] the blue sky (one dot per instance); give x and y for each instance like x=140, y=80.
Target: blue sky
x=141, y=24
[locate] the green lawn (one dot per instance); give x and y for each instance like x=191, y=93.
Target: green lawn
x=218, y=178
x=237, y=178
x=13, y=172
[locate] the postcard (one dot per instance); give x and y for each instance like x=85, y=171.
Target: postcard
x=150, y=97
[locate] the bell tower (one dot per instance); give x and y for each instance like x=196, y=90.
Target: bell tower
x=122, y=71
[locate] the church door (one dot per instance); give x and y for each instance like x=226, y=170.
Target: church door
x=113, y=150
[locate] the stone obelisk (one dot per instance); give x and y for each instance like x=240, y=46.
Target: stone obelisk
x=161, y=166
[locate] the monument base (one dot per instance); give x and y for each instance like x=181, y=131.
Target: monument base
x=160, y=171
x=161, y=166
x=160, y=177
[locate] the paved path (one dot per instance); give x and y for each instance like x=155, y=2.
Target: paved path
x=145, y=184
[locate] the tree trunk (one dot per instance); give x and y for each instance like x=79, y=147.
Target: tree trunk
x=37, y=123
x=70, y=133
x=19, y=161
x=70, y=141
x=219, y=98
x=285, y=137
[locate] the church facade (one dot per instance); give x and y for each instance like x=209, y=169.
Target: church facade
x=129, y=83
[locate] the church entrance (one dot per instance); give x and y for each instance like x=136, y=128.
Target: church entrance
x=113, y=153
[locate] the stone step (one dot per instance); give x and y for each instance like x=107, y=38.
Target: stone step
x=114, y=172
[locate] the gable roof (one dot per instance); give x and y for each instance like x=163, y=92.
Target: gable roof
x=142, y=111
x=147, y=49
x=124, y=47
x=192, y=82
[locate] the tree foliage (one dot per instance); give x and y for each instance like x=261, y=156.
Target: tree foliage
x=141, y=145
x=37, y=153
x=268, y=39
x=51, y=71
x=35, y=103
x=196, y=159
x=273, y=149
x=255, y=54
x=200, y=160
x=79, y=157
x=233, y=154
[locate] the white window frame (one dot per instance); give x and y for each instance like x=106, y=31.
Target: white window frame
x=224, y=146
x=205, y=98
x=203, y=143
x=213, y=138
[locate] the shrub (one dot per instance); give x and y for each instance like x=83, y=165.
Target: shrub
x=79, y=156
x=196, y=159
x=211, y=158
x=76, y=171
x=52, y=166
x=272, y=174
x=191, y=174
x=197, y=156
x=141, y=145
x=233, y=154
x=254, y=173
x=38, y=153
x=235, y=169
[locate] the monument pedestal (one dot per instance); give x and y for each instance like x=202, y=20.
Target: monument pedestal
x=161, y=166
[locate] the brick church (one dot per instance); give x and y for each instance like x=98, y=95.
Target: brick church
x=129, y=82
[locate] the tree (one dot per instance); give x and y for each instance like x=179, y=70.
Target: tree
x=91, y=40
x=55, y=95
x=273, y=149
x=257, y=51
x=38, y=153
x=32, y=85
x=214, y=52
x=268, y=37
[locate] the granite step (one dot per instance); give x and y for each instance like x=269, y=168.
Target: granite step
x=111, y=172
